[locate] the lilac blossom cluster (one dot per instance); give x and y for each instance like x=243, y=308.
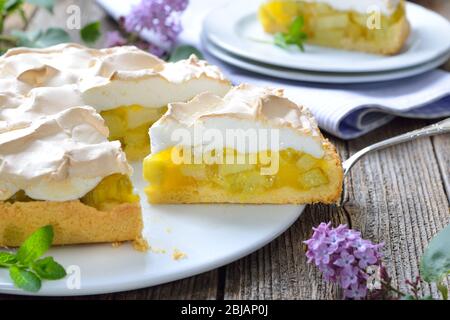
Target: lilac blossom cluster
x=343, y=257
x=162, y=17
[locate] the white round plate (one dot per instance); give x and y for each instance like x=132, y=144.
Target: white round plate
x=320, y=77
x=210, y=235
x=235, y=28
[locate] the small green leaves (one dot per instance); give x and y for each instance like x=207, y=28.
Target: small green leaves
x=47, y=4
x=443, y=290
x=435, y=263
x=10, y=6
x=35, y=246
x=91, y=32
x=24, y=279
x=184, y=52
x=7, y=259
x=41, y=39
x=49, y=269
x=25, y=269
x=294, y=36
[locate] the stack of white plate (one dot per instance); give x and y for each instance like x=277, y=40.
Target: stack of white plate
x=233, y=34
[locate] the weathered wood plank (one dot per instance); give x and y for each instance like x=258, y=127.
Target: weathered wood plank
x=441, y=146
x=280, y=270
x=396, y=196
x=201, y=287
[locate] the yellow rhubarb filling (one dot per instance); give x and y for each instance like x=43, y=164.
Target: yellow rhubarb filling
x=291, y=168
x=130, y=125
x=327, y=26
x=110, y=192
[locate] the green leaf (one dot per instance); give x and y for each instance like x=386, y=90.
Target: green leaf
x=24, y=279
x=47, y=4
x=35, y=246
x=296, y=28
x=7, y=259
x=41, y=39
x=25, y=39
x=280, y=40
x=435, y=263
x=12, y=5
x=91, y=32
x=49, y=269
x=295, y=35
x=443, y=290
x=184, y=52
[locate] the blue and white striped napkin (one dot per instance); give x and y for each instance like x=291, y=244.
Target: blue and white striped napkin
x=346, y=111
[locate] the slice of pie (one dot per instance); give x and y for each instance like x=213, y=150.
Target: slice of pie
x=252, y=146
x=66, y=114
x=130, y=88
x=373, y=26
x=60, y=169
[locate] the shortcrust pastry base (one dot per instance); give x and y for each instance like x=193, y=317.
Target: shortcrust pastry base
x=73, y=223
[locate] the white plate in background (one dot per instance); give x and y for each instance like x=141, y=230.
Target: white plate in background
x=320, y=77
x=234, y=28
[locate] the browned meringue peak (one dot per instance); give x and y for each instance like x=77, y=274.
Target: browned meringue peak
x=59, y=157
x=18, y=111
x=246, y=102
x=109, y=78
x=244, y=107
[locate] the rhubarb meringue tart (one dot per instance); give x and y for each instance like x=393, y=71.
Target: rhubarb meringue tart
x=60, y=169
x=130, y=88
x=373, y=26
x=251, y=146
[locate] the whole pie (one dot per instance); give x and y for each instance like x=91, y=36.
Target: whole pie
x=254, y=145
x=373, y=26
x=70, y=117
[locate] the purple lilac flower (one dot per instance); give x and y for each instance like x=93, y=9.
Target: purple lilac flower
x=163, y=17
x=115, y=38
x=343, y=257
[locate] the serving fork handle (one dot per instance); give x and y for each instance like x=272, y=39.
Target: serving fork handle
x=432, y=130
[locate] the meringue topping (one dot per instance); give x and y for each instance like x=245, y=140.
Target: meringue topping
x=58, y=157
x=53, y=143
x=109, y=78
x=244, y=107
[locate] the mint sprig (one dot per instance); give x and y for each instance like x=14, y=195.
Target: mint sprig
x=26, y=269
x=294, y=36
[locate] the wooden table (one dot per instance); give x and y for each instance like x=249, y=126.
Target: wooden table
x=398, y=196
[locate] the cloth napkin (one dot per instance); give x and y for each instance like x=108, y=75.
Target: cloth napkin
x=346, y=111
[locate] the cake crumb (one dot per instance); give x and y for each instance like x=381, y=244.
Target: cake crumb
x=178, y=255
x=168, y=230
x=116, y=244
x=157, y=250
x=140, y=244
